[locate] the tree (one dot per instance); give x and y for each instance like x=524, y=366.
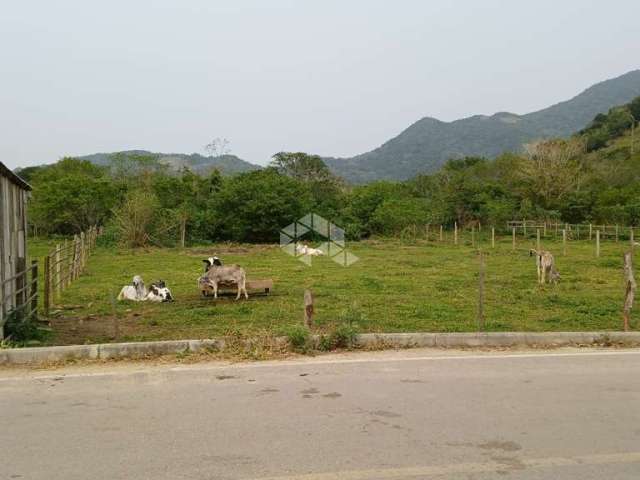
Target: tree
x=301, y=166
x=70, y=196
x=553, y=169
x=395, y=214
x=217, y=147
x=254, y=206
x=327, y=190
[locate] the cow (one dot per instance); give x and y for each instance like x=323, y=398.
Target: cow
x=135, y=292
x=545, y=266
x=216, y=274
x=158, y=292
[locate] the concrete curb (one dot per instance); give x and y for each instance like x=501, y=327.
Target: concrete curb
x=37, y=355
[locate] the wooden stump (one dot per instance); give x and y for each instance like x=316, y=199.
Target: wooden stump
x=308, y=308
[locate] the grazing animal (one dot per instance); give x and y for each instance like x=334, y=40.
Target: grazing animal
x=545, y=266
x=216, y=273
x=135, y=292
x=158, y=292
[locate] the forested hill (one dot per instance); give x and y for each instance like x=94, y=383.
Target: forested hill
x=226, y=164
x=429, y=143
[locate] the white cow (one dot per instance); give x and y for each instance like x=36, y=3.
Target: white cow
x=305, y=249
x=135, y=292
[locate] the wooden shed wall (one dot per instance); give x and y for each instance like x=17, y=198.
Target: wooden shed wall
x=13, y=239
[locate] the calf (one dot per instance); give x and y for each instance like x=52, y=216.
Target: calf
x=158, y=292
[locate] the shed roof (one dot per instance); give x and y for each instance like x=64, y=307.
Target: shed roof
x=5, y=172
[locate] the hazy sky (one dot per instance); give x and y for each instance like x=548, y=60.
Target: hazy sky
x=329, y=77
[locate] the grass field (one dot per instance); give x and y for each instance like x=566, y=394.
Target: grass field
x=396, y=286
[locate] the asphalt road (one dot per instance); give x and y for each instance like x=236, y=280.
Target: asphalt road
x=389, y=415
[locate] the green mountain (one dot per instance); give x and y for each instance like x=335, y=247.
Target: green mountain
x=227, y=164
x=429, y=143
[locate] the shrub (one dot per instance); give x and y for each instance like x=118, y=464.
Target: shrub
x=22, y=330
x=298, y=337
x=344, y=336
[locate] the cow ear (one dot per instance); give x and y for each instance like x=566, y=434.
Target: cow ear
x=207, y=261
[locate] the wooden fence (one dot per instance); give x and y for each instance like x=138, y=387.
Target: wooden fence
x=475, y=234
x=575, y=231
x=65, y=263
x=23, y=300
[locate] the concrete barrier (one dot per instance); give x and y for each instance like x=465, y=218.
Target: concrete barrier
x=367, y=340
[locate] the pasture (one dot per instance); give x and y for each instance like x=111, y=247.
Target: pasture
x=396, y=286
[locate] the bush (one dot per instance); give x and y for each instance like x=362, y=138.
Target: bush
x=298, y=337
x=22, y=330
x=344, y=336
x=139, y=221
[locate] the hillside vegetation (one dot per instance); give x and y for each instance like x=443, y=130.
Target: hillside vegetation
x=592, y=176
x=427, y=144
x=174, y=162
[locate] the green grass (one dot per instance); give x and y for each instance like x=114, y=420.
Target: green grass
x=395, y=287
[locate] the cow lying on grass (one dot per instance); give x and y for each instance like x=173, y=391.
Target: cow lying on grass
x=217, y=274
x=305, y=249
x=137, y=292
x=158, y=292
x=545, y=266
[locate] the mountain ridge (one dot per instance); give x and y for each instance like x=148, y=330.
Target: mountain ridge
x=429, y=142
x=227, y=164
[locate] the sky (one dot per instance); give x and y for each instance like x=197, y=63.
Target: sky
x=331, y=77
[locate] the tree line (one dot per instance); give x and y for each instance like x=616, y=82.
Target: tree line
x=593, y=176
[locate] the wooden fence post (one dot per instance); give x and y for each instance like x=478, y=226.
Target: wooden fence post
x=616, y=233
x=21, y=286
x=493, y=237
x=33, y=291
x=590, y=231
x=83, y=252
x=524, y=227
x=481, y=293
x=564, y=241
x=544, y=231
x=631, y=237
x=538, y=239
x=47, y=285
x=513, y=237
x=455, y=233
x=630, y=289
x=76, y=255
x=597, y=243
x=441, y=234
x=58, y=276
x=308, y=308
x=473, y=236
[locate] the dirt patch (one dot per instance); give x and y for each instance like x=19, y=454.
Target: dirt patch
x=500, y=445
x=83, y=330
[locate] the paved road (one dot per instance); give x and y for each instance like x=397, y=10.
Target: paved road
x=390, y=415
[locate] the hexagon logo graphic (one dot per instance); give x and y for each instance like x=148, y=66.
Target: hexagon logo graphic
x=333, y=245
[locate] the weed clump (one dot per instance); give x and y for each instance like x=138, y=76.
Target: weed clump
x=298, y=337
